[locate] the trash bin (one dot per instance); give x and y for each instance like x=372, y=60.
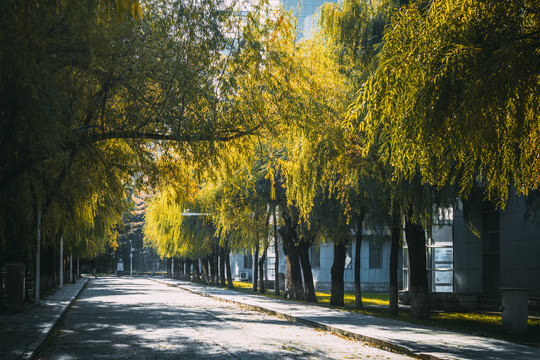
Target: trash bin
x=120, y=268
x=15, y=294
x=514, y=309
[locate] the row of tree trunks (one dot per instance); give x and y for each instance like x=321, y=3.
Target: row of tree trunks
x=213, y=269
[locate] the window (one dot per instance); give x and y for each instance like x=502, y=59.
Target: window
x=440, y=250
x=315, y=257
x=248, y=261
x=405, y=268
x=375, y=252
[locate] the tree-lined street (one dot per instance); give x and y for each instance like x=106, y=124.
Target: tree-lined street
x=126, y=318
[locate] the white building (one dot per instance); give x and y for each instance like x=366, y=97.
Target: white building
x=374, y=264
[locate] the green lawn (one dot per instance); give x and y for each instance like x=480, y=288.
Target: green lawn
x=475, y=323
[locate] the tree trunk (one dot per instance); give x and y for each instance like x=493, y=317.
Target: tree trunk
x=418, y=291
x=357, y=262
x=295, y=289
x=216, y=265
x=211, y=268
x=170, y=267
x=222, y=280
x=205, y=273
x=306, y=270
x=393, y=308
x=181, y=268
x=254, y=268
x=338, y=268
x=196, y=271
x=262, y=259
x=175, y=268
x=189, y=263
x=276, y=250
x=230, y=284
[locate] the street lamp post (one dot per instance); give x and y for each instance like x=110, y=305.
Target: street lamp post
x=130, y=259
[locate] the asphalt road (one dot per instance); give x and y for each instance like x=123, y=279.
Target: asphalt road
x=131, y=318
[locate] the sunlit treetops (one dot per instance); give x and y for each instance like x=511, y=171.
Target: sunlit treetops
x=455, y=97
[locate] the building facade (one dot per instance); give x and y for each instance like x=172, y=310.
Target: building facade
x=374, y=264
x=472, y=258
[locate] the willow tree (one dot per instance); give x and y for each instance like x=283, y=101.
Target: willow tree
x=100, y=87
x=455, y=98
x=178, y=227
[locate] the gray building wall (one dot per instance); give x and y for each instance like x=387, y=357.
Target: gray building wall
x=519, y=248
x=518, y=253
x=467, y=255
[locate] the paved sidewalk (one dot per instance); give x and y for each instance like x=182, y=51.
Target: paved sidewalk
x=21, y=334
x=421, y=341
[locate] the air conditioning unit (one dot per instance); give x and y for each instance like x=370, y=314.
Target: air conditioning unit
x=244, y=276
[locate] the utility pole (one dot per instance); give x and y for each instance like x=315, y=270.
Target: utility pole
x=37, y=282
x=70, y=269
x=61, y=262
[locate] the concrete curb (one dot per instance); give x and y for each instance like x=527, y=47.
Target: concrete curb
x=31, y=349
x=370, y=340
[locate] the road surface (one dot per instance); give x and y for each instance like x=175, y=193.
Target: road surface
x=134, y=318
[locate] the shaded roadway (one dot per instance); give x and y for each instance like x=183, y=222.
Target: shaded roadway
x=126, y=318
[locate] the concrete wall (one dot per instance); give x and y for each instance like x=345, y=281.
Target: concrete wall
x=467, y=254
x=520, y=248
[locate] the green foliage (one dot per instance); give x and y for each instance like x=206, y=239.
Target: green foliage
x=173, y=232
x=454, y=98
x=92, y=94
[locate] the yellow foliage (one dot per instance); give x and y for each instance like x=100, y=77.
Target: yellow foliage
x=132, y=7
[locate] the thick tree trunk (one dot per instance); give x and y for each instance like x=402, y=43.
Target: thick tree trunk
x=230, y=284
x=255, y=268
x=306, y=271
x=338, y=268
x=295, y=289
x=196, y=271
x=418, y=291
x=357, y=262
x=177, y=268
x=170, y=267
x=222, y=280
x=276, y=250
x=262, y=259
x=393, y=308
x=289, y=237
